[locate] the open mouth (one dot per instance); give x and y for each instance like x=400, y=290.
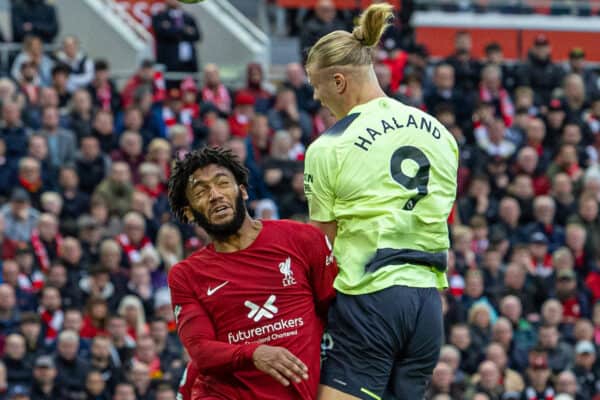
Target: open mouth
x=220, y=210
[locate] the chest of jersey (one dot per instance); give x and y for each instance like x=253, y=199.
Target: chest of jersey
x=260, y=297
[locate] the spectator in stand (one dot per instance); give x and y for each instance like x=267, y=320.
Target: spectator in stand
x=286, y=112
x=130, y=151
x=81, y=68
x=577, y=65
x=60, y=78
x=537, y=376
x=44, y=385
x=19, y=216
x=214, y=91
x=33, y=51
x=29, y=82
x=34, y=17
x=18, y=368
x=176, y=35
x=91, y=163
x=256, y=87
x=102, y=89
x=72, y=369
x=491, y=90
x=296, y=80
x=117, y=188
x=539, y=72
x=575, y=97
x=444, y=90
x=467, y=69
x=560, y=353
x=324, y=21
x=80, y=114
x=588, y=375
x=243, y=112
x=12, y=131
x=61, y=142
x=494, y=56
x=146, y=75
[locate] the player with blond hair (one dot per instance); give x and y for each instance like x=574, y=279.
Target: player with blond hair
x=380, y=183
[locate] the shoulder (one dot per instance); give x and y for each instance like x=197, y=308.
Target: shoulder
x=342, y=125
x=180, y=270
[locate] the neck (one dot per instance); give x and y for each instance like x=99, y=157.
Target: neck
x=364, y=93
x=244, y=237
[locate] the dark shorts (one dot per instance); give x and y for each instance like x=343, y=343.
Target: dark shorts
x=383, y=345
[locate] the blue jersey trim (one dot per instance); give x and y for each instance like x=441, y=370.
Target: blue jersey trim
x=340, y=127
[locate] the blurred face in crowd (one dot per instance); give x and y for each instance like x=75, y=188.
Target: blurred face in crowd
x=548, y=337
x=509, y=211
x=490, y=376
x=57, y=276
x=211, y=76
x=29, y=169
x=523, y=187
x=491, y=77
x=117, y=328
x=574, y=88
x=562, y=185
x=542, y=51
x=238, y=147
x=94, y=383
x=585, y=360
x=259, y=131
x=146, y=350
x=103, y=123
x=31, y=331
x=140, y=375
x=82, y=102
x=325, y=10
x=527, y=160
x=165, y=394
x=159, y=331
x=460, y=337
x=514, y=277
x=131, y=144
x=583, y=330
x=134, y=229
x=68, y=179
x=124, y=392
x=70, y=46
x=566, y=383
x=134, y=119
x=110, y=257
x=474, y=285
x=38, y=147
x=100, y=348
x=442, y=377
x=462, y=42
x=14, y=347
x=552, y=312
x=11, y=113
x=575, y=237
x=511, y=308
x=51, y=300
x=567, y=156
x=44, y=375
x=48, y=227
x=565, y=287
x=10, y=272
x=502, y=332
x=571, y=134
x=443, y=78
x=286, y=98
x=120, y=174
x=50, y=118
x=71, y=250
x=496, y=354
x=48, y=97
x=68, y=348
x=73, y=320
x=218, y=133
x=588, y=209
x=497, y=130
x=536, y=131
x=295, y=74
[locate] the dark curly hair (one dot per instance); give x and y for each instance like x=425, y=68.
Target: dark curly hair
x=199, y=159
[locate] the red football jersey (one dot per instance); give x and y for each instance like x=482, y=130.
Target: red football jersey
x=274, y=292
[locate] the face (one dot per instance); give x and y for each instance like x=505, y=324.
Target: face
x=124, y=392
x=15, y=347
x=216, y=201
x=146, y=350
x=117, y=327
x=73, y=321
x=82, y=101
x=51, y=299
x=44, y=375
x=57, y=276
x=95, y=383
x=460, y=338
x=566, y=383
x=50, y=118
x=444, y=77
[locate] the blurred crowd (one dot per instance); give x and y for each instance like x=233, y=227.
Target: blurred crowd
x=87, y=239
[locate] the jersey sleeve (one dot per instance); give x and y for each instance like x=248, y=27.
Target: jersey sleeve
x=320, y=170
x=323, y=270
x=196, y=331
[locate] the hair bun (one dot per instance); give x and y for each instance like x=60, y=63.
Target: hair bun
x=359, y=34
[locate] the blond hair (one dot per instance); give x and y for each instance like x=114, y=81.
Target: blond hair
x=344, y=48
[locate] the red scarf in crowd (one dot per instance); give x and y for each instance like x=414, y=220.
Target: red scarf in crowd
x=506, y=107
x=40, y=250
x=133, y=251
x=219, y=97
x=53, y=322
x=31, y=187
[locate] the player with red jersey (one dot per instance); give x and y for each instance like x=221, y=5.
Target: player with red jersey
x=250, y=307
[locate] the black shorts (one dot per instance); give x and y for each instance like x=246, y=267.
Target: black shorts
x=383, y=345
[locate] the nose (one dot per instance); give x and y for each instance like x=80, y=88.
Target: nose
x=215, y=194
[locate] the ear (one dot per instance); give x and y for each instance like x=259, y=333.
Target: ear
x=244, y=192
x=188, y=214
x=340, y=82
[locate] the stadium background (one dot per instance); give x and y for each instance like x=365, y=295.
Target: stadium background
x=98, y=96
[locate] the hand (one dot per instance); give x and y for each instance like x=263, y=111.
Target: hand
x=280, y=364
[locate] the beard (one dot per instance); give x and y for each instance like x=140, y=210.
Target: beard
x=223, y=231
